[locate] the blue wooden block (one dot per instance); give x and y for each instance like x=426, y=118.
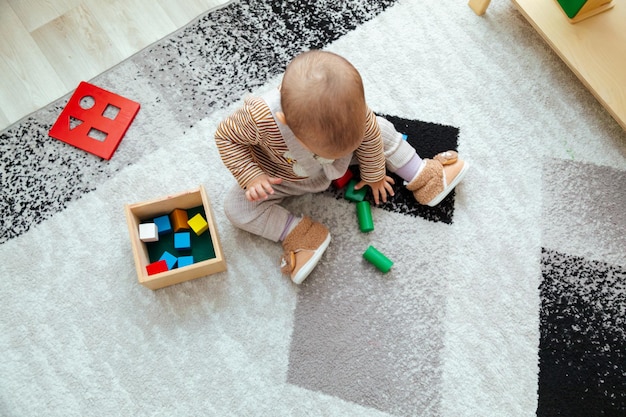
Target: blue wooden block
x=163, y=224
x=182, y=240
x=169, y=259
x=184, y=261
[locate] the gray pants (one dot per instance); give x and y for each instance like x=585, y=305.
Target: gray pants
x=268, y=218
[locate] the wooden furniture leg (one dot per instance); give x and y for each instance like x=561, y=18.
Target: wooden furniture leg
x=479, y=6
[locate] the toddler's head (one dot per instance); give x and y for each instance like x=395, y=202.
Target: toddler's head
x=323, y=103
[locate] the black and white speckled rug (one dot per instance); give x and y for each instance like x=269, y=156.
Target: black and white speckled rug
x=508, y=299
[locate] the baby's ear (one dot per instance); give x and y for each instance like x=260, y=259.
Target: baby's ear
x=281, y=117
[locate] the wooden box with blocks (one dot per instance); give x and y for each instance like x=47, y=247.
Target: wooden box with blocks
x=205, y=244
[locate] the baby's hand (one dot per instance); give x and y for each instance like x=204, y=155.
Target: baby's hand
x=260, y=187
x=380, y=189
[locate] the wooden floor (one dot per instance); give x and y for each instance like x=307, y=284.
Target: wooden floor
x=48, y=46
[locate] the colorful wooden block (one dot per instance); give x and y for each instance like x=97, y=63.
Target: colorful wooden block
x=339, y=183
x=364, y=214
x=88, y=123
x=169, y=259
x=148, y=232
x=376, y=258
x=198, y=224
x=185, y=261
x=156, y=267
x=354, y=195
x=179, y=220
x=163, y=224
x=182, y=240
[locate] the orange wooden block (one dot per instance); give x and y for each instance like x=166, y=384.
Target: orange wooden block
x=179, y=220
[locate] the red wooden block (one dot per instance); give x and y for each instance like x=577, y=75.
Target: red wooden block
x=94, y=128
x=339, y=183
x=156, y=267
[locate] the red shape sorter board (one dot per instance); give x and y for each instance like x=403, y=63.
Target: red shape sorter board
x=94, y=120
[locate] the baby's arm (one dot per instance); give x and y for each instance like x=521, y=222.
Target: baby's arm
x=234, y=138
x=371, y=157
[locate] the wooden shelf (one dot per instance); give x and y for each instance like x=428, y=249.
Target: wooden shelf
x=595, y=48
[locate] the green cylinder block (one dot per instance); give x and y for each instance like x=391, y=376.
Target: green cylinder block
x=377, y=259
x=364, y=213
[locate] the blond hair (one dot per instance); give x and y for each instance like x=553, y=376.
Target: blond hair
x=323, y=101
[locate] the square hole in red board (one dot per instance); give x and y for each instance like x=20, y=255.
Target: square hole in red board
x=111, y=112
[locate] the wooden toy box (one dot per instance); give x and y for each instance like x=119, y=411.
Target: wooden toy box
x=140, y=212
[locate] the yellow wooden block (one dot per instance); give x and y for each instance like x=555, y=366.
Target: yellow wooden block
x=198, y=224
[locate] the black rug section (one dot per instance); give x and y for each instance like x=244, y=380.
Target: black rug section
x=237, y=49
x=428, y=139
x=582, y=350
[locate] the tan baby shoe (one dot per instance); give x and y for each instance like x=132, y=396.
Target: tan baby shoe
x=447, y=157
x=437, y=177
x=304, y=246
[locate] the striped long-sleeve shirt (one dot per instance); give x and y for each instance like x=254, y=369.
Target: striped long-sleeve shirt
x=250, y=144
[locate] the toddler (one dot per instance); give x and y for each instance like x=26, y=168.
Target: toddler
x=298, y=138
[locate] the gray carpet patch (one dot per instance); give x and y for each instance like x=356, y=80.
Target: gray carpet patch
x=364, y=336
x=584, y=210
x=351, y=337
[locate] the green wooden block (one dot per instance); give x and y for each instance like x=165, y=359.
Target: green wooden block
x=354, y=195
x=571, y=7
